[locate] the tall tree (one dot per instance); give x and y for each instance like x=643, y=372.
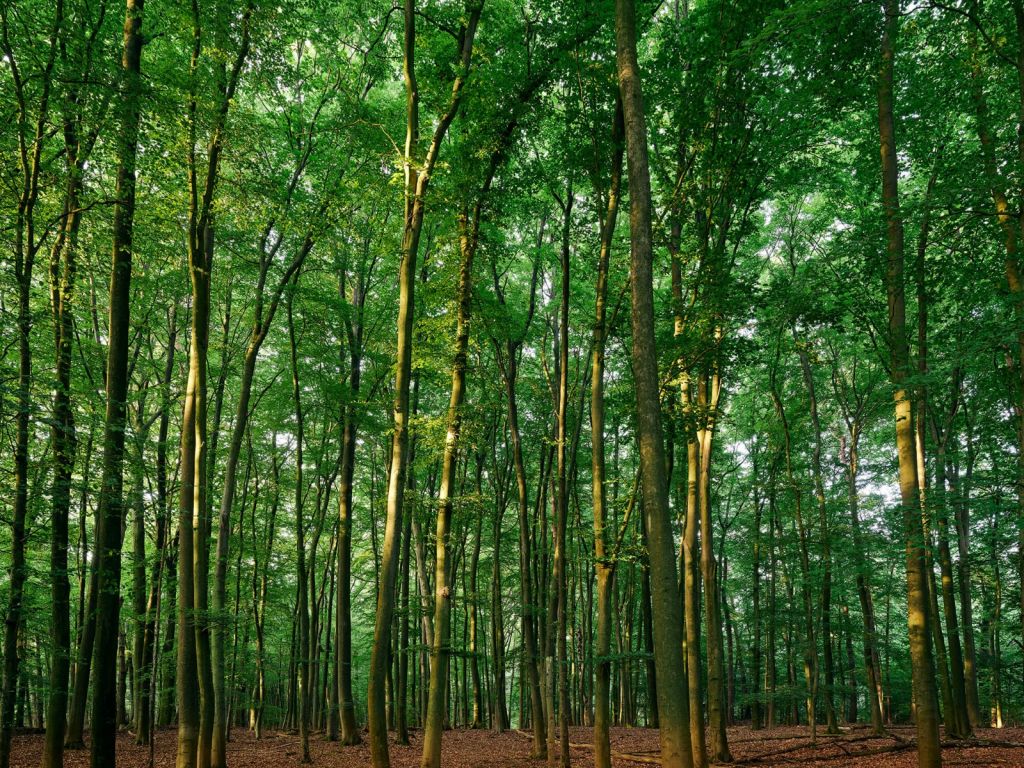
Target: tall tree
x=929, y=752
x=417, y=175
x=604, y=552
x=196, y=696
x=673, y=713
x=27, y=242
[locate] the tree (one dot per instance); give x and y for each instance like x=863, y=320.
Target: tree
x=928, y=749
x=668, y=642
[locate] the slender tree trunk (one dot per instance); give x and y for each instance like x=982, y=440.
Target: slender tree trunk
x=691, y=588
x=771, y=670
x=526, y=558
x=343, y=643
x=303, y=693
x=260, y=579
x=138, y=620
x=440, y=650
x=756, y=713
x=148, y=693
x=111, y=514
x=676, y=750
x=929, y=753
x=604, y=556
x=961, y=499
x=478, y=714
x=417, y=179
x=872, y=667
x=995, y=610
x=30, y=150
x=831, y=723
x=63, y=266
x=708, y=389
x=960, y=715
x=810, y=644
x=168, y=688
x=501, y=718
x=402, y=726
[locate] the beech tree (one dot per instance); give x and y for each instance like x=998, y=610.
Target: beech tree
x=460, y=445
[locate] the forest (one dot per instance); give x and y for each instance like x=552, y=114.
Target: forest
x=511, y=382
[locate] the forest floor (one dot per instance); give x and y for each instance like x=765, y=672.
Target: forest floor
x=631, y=748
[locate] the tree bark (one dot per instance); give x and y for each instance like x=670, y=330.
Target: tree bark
x=440, y=650
x=110, y=532
x=303, y=693
x=604, y=557
x=417, y=181
x=929, y=754
x=30, y=148
x=668, y=641
x=831, y=723
x=63, y=267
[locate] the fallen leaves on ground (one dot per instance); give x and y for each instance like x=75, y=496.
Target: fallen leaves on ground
x=631, y=748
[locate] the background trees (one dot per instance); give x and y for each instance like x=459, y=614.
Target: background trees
x=480, y=522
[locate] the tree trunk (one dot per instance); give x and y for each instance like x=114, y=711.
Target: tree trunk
x=343, y=642
x=440, y=650
x=147, y=694
x=929, y=753
x=961, y=499
x=604, y=560
x=30, y=150
x=708, y=389
x=501, y=719
x=417, y=180
x=831, y=723
x=111, y=514
x=63, y=266
x=668, y=641
x=303, y=693
x=872, y=667
x=475, y=652
x=756, y=712
x=810, y=644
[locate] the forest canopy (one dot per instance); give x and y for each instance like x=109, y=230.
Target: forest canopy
x=371, y=370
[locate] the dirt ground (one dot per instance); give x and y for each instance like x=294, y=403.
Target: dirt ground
x=632, y=748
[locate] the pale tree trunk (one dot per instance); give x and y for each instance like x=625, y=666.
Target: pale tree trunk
x=690, y=546
x=501, y=480
x=810, y=645
x=757, y=694
x=556, y=651
x=709, y=387
x=478, y=714
x=260, y=579
x=961, y=493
